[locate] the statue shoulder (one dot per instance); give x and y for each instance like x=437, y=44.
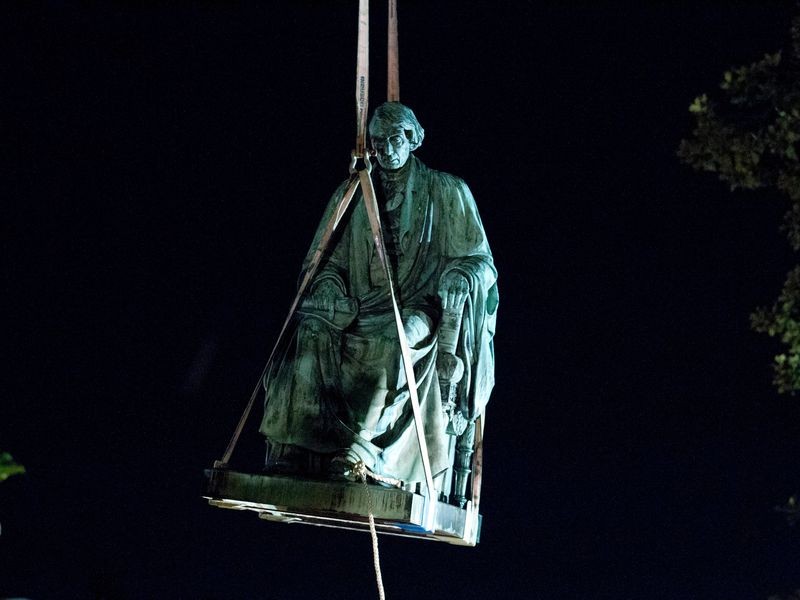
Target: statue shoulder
x=446, y=183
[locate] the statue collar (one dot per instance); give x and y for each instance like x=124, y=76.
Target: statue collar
x=397, y=184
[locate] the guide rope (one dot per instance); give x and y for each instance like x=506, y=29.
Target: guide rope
x=361, y=471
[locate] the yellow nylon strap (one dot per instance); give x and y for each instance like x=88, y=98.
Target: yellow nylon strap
x=371, y=205
x=393, y=57
x=330, y=227
x=362, y=78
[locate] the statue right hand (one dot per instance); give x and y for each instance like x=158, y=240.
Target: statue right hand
x=324, y=296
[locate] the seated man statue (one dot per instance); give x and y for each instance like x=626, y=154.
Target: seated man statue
x=338, y=394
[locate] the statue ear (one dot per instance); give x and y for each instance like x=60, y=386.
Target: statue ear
x=415, y=138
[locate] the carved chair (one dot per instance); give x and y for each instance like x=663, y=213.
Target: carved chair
x=452, y=484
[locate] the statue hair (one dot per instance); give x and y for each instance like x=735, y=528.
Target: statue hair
x=394, y=112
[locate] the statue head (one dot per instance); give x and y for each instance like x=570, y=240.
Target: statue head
x=394, y=133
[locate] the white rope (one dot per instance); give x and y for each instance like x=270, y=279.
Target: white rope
x=360, y=469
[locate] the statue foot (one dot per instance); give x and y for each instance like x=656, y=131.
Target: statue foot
x=342, y=467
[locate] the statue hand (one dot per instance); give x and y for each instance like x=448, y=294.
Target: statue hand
x=324, y=296
x=453, y=290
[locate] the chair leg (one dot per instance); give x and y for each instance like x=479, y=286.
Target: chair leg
x=446, y=487
x=463, y=463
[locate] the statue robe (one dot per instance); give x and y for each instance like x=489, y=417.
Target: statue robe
x=337, y=390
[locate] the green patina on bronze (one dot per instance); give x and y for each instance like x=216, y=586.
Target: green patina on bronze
x=338, y=389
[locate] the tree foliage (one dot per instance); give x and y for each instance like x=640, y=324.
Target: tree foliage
x=8, y=467
x=791, y=509
x=748, y=135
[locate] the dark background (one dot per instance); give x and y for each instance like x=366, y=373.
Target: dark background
x=168, y=167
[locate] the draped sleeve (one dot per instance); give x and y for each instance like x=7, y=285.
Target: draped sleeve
x=465, y=249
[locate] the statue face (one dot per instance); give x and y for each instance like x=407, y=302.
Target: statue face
x=391, y=145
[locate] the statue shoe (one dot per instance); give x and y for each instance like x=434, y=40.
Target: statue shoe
x=342, y=467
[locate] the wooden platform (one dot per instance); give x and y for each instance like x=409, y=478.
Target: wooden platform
x=343, y=505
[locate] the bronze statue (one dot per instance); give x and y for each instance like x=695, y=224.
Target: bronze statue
x=338, y=393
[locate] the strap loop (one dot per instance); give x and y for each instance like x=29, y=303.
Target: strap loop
x=365, y=161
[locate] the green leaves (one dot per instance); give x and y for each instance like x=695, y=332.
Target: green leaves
x=736, y=155
x=8, y=467
x=748, y=135
x=782, y=321
x=791, y=509
x=699, y=104
x=753, y=84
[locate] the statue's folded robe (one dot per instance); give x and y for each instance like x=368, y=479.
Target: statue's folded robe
x=340, y=316
x=336, y=389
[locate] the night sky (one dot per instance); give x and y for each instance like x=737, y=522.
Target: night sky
x=168, y=166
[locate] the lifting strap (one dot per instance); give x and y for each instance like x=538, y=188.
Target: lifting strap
x=312, y=269
x=392, y=57
x=362, y=79
x=358, y=177
x=477, y=460
x=371, y=205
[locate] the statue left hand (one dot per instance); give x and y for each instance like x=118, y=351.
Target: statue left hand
x=453, y=290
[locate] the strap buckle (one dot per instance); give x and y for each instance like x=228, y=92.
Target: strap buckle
x=355, y=157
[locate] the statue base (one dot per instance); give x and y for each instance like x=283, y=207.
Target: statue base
x=342, y=505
